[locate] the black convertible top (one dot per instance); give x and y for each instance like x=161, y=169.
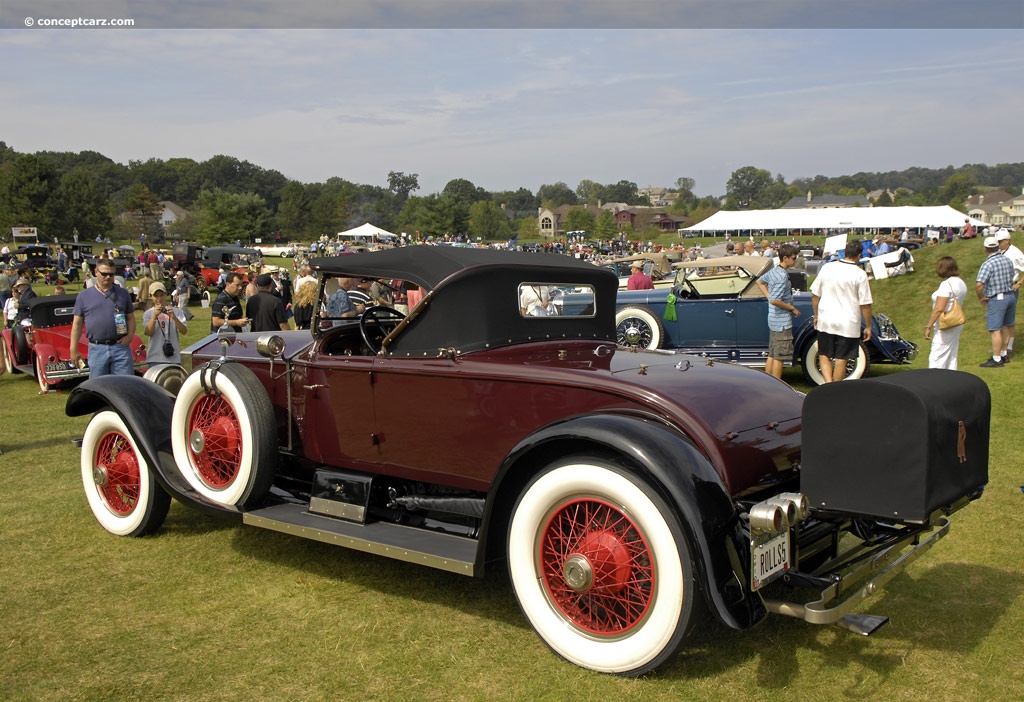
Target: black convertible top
x=472, y=300
x=429, y=266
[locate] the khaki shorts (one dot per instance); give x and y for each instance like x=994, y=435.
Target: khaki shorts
x=780, y=345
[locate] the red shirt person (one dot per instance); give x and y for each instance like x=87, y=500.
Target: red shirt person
x=639, y=280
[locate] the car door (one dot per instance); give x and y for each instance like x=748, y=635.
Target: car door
x=338, y=410
x=707, y=326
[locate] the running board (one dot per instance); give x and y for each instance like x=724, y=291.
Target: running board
x=454, y=554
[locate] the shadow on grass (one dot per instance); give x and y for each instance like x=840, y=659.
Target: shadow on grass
x=950, y=607
x=30, y=441
x=490, y=596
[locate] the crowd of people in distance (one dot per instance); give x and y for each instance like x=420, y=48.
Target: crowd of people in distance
x=266, y=298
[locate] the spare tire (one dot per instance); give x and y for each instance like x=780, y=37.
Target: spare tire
x=223, y=435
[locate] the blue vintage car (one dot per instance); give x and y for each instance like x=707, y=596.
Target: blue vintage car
x=720, y=312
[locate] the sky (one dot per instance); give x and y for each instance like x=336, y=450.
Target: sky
x=553, y=100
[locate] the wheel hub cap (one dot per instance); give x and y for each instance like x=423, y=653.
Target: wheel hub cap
x=578, y=573
x=197, y=441
x=99, y=475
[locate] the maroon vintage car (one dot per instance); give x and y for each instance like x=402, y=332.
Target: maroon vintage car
x=625, y=490
x=40, y=345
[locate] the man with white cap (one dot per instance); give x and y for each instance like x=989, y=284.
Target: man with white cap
x=994, y=286
x=1007, y=248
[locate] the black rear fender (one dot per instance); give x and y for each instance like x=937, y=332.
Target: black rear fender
x=672, y=465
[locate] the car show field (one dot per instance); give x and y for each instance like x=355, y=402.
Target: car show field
x=208, y=608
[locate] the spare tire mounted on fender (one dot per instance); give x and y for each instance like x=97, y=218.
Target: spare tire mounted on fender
x=224, y=436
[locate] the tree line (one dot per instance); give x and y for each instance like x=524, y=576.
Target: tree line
x=88, y=194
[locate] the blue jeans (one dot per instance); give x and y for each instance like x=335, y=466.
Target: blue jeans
x=110, y=360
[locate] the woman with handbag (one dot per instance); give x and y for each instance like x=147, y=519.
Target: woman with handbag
x=947, y=317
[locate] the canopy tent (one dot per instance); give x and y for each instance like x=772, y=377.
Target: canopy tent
x=367, y=231
x=835, y=218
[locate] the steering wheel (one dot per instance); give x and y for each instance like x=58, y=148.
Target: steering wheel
x=685, y=289
x=376, y=323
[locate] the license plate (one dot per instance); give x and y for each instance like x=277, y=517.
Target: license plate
x=54, y=366
x=769, y=558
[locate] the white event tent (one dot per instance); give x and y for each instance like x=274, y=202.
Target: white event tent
x=368, y=232
x=835, y=219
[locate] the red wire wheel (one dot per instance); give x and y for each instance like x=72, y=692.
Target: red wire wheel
x=119, y=485
x=215, y=440
x=601, y=566
x=118, y=465
x=596, y=567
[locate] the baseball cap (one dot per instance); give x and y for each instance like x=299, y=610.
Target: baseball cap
x=1002, y=235
x=154, y=288
x=990, y=242
x=263, y=280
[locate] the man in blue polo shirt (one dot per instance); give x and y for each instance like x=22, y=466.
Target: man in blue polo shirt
x=106, y=312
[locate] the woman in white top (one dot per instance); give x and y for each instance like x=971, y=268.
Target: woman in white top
x=945, y=342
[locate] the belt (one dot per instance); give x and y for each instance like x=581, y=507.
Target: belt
x=103, y=343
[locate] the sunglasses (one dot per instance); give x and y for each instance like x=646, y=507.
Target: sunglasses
x=105, y=274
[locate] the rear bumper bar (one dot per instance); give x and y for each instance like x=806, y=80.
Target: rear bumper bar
x=836, y=602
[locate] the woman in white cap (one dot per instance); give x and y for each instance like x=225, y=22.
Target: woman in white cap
x=163, y=324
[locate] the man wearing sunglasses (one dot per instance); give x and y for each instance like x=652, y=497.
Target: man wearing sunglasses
x=106, y=312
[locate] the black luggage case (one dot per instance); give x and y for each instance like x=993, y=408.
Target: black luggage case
x=898, y=447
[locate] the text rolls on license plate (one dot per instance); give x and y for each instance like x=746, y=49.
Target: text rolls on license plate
x=769, y=558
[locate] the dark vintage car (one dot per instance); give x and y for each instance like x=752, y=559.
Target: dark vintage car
x=40, y=345
x=720, y=312
x=204, y=263
x=626, y=491
x=34, y=257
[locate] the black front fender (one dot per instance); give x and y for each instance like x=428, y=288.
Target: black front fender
x=146, y=409
x=684, y=477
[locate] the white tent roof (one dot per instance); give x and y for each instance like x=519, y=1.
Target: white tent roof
x=367, y=230
x=836, y=218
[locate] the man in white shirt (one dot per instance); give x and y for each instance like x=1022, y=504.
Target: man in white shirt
x=841, y=299
x=1007, y=248
x=305, y=275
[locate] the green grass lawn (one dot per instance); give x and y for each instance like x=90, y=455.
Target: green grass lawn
x=208, y=609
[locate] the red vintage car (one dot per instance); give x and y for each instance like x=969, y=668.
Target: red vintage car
x=626, y=490
x=40, y=345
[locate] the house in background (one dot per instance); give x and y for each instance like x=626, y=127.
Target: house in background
x=639, y=218
x=992, y=197
x=549, y=221
x=997, y=208
x=170, y=213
